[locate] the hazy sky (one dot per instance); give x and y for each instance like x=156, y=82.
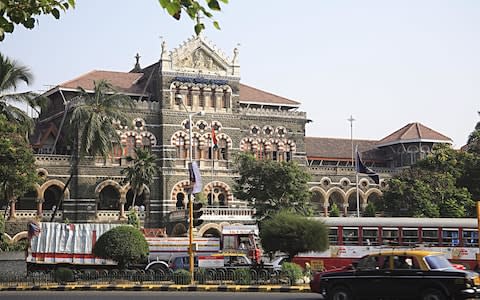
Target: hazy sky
x=386, y=62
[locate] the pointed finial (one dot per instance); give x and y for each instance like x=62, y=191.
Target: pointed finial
x=137, y=63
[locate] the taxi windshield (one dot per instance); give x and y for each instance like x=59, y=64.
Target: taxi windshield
x=438, y=262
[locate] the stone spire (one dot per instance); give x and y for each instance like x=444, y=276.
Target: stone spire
x=165, y=58
x=137, y=67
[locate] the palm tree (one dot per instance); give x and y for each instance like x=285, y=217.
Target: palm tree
x=140, y=173
x=92, y=123
x=11, y=75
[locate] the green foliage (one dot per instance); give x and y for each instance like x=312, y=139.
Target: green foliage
x=370, y=210
x=17, y=163
x=473, y=142
x=24, y=12
x=242, y=276
x=421, y=193
x=200, y=197
x=271, y=186
x=194, y=10
x=12, y=74
x=201, y=275
x=292, y=271
x=133, y=218
x=182, y=276
x=334, y=210
x=141, y=173
x=94, y=116
x=292, y=233
x=123, y=244
x=63, y=275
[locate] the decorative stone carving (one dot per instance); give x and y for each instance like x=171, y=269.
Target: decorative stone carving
x=199, y=59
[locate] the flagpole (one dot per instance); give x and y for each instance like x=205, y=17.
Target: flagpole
x=356, y=181
x=213, y=154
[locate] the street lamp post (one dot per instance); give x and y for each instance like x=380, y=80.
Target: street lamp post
x=191, y=251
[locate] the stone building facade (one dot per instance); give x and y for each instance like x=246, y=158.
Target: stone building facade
x=241, y=117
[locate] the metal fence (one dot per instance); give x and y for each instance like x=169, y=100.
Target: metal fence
x=223, y=276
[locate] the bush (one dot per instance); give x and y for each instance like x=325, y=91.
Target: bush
x=334, y=211
x=370, y=210
x=182, y=276
x=292, y=271
x=201, y=275
x=123, y=244
x=63, y=275
x=242, y=276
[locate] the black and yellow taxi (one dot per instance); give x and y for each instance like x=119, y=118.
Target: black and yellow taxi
x=398, y=274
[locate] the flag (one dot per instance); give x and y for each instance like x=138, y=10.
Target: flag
x=361, y=168
x=195, y=177
x=33, y=229
x=214, y=139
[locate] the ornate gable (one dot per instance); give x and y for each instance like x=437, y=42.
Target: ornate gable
x=197, y=55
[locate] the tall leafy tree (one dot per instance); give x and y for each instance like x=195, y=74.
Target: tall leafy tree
x=92, y=123
x=271, y=186
x=422, y=193
x=17, y=162
x=12, y=74
x=292, y=233
x=140, y=174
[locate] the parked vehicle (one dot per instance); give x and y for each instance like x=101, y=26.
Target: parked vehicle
x=277, y=262
x=352, y=238
x=72, y=244
x=398, y=274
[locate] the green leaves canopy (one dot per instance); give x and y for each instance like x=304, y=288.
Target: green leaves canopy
x=141, y=173
x=271, y=186
x=24, y=12
x=194, y=10
x=17, y=163
x=12, y=74
x=123, y=244
x=94, y=115
x=291, y=233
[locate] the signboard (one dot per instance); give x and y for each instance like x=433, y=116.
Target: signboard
x=240, y=229
x=211, y=261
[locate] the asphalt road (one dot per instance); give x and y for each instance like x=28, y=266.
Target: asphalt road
x=144, y=295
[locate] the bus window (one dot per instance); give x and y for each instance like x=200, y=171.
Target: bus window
x=450, y=237
x=370, y=236
x=350, y=236
x=470, y=238
x=332, y=236
x=390, y=236
x=409, y=236
x=430, y=236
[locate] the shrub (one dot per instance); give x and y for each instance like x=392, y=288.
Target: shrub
x=242, y=276
x=370, y=210
x=123, y=244
x=182, y=276
x=133, y=218
x=292, y=271
x=63, y=275
x=334, y=211
x=201, y=275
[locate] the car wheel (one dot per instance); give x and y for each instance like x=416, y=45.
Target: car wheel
x=433, y=294
x=340, y=293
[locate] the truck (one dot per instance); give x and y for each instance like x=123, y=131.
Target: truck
x=58, y=244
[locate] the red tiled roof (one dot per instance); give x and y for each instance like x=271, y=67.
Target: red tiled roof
x=413, y=132
x=123, y=82
x=335, y=148
x=253, y=95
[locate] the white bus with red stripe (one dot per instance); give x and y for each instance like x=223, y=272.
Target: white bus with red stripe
x=351, y=238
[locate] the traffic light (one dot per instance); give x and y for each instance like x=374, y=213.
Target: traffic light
x=197, y=213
